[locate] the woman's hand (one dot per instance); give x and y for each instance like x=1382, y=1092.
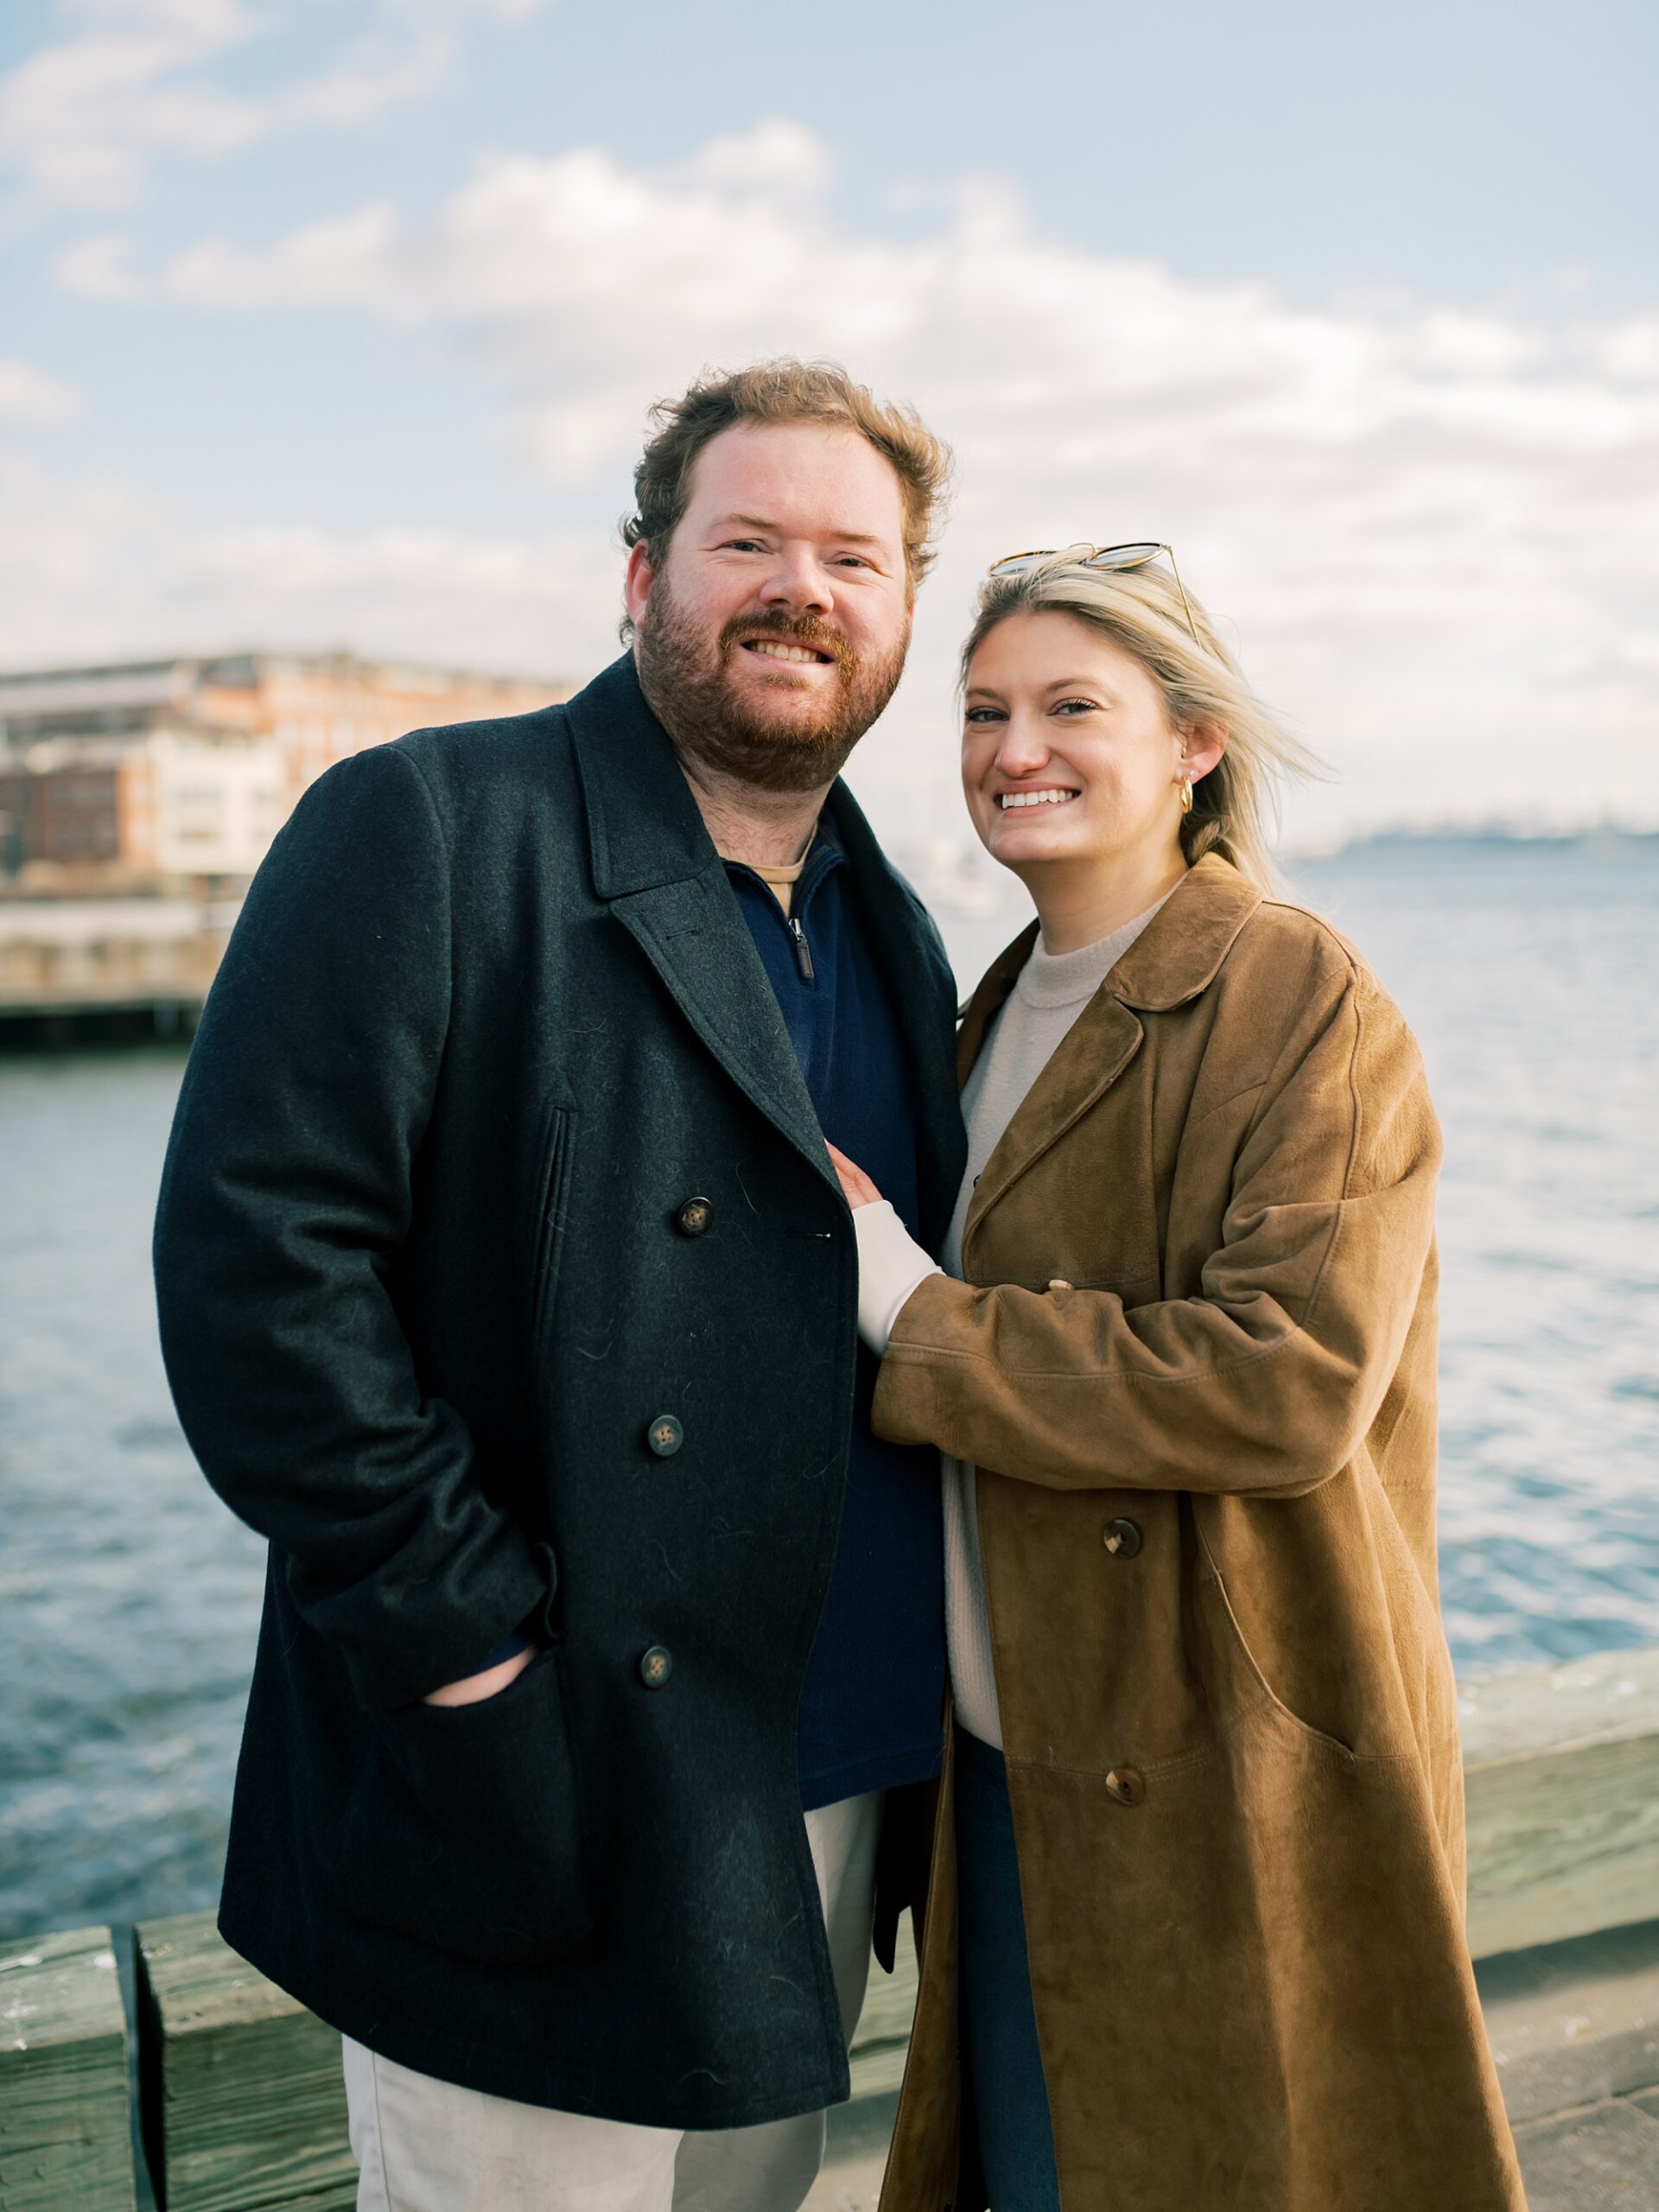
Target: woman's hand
x=890, y=1262
x=857, y=1186
x=473, y=1689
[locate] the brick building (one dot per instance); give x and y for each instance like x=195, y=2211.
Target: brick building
x=178, y=774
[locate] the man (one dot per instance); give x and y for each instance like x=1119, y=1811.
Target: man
x=507, y=1288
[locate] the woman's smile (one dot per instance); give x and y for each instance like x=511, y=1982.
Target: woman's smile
x=1044, y=795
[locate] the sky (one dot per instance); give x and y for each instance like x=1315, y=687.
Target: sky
x=335, y=322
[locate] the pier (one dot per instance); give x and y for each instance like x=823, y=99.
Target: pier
x=138, y=798
x=66, y=963
x=151, y=2067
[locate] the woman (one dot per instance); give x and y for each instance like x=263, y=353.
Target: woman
x=1196, y=1651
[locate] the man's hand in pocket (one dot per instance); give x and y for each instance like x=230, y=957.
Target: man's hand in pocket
x=472, y=1689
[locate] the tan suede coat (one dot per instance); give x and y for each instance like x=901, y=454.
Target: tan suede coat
x=1201, y=1301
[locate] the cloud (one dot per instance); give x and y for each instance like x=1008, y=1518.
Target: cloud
x=85, y=123
x=1431, y=531
x=70, y=547
x=28, y=395
x=570, y=276
x=100, y=265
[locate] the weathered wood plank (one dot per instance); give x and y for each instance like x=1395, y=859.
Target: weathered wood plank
x=245, y=2106
x=65, y=2129
x=1562, y=1776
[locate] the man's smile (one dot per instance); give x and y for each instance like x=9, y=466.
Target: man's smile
x=781, y=649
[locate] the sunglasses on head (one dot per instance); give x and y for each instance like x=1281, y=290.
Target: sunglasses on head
x=1097, y=557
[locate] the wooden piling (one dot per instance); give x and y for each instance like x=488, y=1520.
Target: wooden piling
x=244, y=2103
x=66, y=2137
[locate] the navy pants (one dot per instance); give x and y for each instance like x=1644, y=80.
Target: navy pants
x=999, y=2028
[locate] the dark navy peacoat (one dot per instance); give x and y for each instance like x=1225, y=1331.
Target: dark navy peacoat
x=503, y=1277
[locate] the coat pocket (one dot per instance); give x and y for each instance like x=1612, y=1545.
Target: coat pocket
x=552, y=1200
x=1242, y=1687
x=462, y=1827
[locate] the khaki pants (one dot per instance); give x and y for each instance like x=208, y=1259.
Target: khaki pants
x=423, y=2145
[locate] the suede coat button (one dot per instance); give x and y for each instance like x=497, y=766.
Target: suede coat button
x=1127, y=1784
x=693, y=1217
x=1122, y=1539
x=665, y=1436
x=655, y=1668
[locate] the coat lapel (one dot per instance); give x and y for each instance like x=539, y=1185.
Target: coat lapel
x=1091, y=1058
x=1174, y=957
x=988, y=999
x=655, y=864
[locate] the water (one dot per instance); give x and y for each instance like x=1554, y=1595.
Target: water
x=128, y=1596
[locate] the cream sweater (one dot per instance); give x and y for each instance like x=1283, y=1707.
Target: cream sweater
x=1050, y=992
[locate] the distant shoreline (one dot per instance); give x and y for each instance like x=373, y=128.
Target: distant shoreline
x=1495, y=837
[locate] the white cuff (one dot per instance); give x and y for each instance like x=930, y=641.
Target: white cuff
x=890, y=1265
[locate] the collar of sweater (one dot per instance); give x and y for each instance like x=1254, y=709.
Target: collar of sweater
x=1057, y=979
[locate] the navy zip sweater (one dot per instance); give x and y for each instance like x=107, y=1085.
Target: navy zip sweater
x=872, y=1702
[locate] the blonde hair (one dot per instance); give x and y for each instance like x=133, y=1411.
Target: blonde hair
x=786, y=391
x=1235, y=807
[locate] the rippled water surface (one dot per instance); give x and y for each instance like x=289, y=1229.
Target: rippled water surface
x=129, y=1598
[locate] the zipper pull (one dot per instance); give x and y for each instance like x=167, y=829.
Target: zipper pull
x=803, y=950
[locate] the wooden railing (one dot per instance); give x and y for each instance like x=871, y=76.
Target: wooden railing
x=242, y=2104
x=1560, y=1770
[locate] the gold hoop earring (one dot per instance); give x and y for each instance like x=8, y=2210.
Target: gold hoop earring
x=1186, y=795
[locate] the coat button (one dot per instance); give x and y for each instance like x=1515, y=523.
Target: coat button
x=1121, y=1538
x=665, y=1436
x=1059, y=1282
x=655, y=1668
x=1127, y=1784
x=693, y=1217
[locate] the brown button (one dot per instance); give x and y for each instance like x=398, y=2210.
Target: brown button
x=693, y=1217
x=665, y=1436
x=655, y=1668
x=1121, y=1538
x=1127, y=1784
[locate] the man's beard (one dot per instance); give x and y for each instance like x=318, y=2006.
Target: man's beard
x=686, y=679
